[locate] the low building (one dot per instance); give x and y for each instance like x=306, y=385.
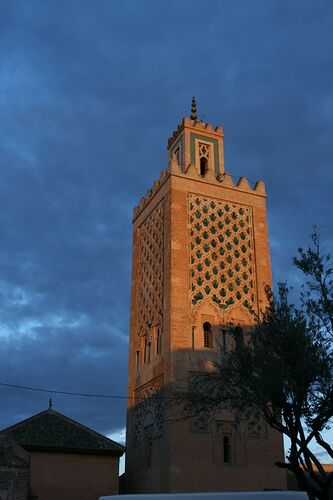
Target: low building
x=67, y=459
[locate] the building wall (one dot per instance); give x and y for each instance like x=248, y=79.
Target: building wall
x=181, y=265
x=196, y=454
x=148, y=462
x=68, y=476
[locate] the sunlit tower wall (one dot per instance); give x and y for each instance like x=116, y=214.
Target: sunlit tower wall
x=200, y=261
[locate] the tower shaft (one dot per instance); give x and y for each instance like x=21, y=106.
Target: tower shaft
x=200, y=261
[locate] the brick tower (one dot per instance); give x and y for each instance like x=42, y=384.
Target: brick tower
x=200, y=260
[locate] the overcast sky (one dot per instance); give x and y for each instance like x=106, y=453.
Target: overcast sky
x=89, y=94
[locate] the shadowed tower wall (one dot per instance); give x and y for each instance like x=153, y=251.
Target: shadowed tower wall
x=200, y=260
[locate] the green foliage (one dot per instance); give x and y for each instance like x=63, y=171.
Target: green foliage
x=317, y=294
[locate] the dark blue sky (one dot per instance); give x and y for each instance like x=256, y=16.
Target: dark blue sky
x=89, y=94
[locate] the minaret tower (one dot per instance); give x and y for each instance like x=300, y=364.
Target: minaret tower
x=200, y=260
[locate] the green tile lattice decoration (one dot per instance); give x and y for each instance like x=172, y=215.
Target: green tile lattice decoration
x=222, y=256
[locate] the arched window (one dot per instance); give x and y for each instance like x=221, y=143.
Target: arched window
x=145, y=345
x=149, y=352
x=158, y=341
x=203, y=166
x=146, y=350
x=239, y=337
x=226, y=450
x=208, y=335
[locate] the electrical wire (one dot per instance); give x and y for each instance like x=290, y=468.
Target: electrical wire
x=66, y=393
x=89, y=395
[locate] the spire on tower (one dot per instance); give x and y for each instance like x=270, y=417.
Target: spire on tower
x=194, y=109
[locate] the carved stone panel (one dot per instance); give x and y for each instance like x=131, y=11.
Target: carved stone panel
x=150, y=283
x=149, y=410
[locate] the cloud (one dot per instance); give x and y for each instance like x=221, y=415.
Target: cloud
x=90, y=94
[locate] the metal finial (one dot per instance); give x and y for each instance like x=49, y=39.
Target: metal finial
x=50, y=403
x=194, y=109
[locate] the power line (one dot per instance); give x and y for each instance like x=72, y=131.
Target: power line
x=66, y=393
x=89, y=395
x=181, y=396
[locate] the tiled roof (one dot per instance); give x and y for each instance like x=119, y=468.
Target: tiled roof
x=52, y=431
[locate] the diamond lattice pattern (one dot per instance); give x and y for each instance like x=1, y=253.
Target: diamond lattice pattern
x=222, y=258
x=151, y=269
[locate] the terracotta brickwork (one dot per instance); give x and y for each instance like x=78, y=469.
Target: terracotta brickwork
x=200, y=260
